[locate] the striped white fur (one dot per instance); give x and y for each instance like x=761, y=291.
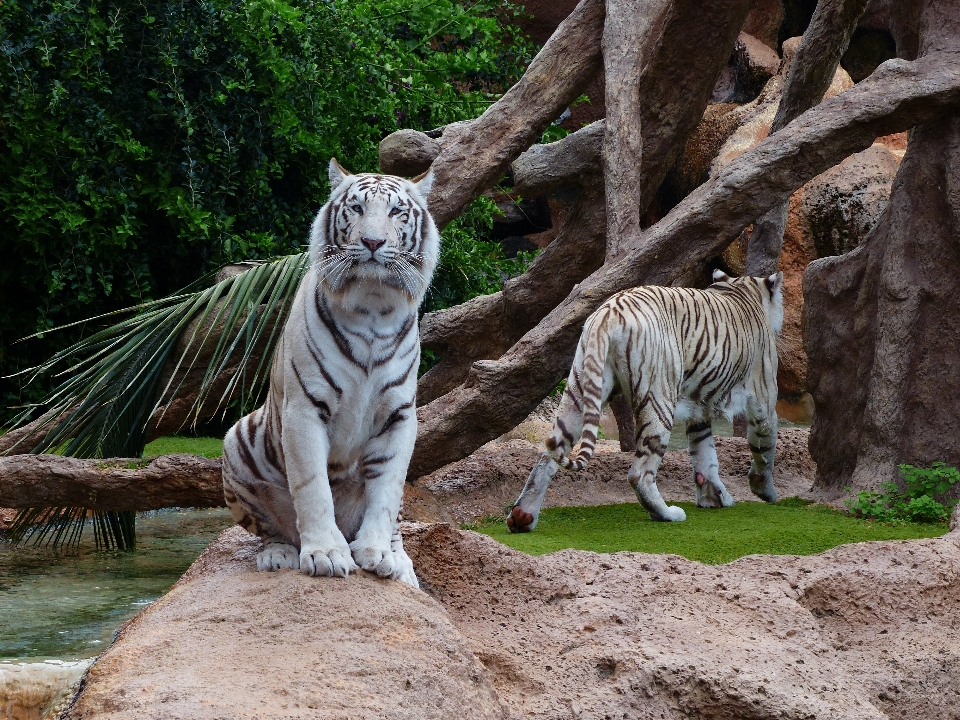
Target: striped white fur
x=318, y=471
x=678, y=355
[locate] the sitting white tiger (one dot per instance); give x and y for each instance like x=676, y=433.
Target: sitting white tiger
x=677, y=354
x=318, y=471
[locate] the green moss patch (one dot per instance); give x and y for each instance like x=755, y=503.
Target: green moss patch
x=205, y=446
x=789, y=527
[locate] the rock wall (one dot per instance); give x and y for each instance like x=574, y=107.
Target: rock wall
x=882, y=329
x=862, y=631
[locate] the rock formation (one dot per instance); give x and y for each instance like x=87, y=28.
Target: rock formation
x=882, y=331
x=881, y=322
x=862, y=631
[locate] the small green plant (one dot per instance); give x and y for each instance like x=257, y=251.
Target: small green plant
x=916, y=502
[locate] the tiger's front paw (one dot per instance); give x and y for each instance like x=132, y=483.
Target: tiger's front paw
x=278, y=556
x=374, y=557
x=404, y=572
x=328, y=562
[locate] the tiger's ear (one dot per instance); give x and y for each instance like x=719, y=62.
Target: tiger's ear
x=774, y=282
x=337, y=174
x=424, y=181
x=720, y=276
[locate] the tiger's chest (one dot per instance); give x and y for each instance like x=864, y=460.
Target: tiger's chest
x=368, y=356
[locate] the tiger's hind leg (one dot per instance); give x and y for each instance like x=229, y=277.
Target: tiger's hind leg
x=259, y=506
x=711, y=492
x=653, y=435
x=762, y=437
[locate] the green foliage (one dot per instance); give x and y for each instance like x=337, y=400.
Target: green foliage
x=468, y=266
x=143, y=144
x=916, y=502
x=788, y=527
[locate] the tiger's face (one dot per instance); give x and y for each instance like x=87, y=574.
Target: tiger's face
x=375, y=228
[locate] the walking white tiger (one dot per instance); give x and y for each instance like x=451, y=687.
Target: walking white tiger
x=318, y=471
x=677, y=354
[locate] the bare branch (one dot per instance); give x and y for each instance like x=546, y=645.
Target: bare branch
x=114, y=484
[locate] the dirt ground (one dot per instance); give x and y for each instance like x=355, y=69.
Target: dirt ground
x=490, y=480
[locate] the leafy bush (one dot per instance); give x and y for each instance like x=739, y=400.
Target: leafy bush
x=142, y=144
x=916, y=502
x=468, y=266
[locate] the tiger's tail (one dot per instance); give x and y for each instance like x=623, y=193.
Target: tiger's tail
x=579, y=414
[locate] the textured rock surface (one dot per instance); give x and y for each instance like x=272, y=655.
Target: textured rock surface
x=764, y=20
x=31, y=691
x=842, y=205
x=862, y=631
x=229, y=642
x=752, y=64
x=881, y=329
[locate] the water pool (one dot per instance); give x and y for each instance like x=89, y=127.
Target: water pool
x=67, y=605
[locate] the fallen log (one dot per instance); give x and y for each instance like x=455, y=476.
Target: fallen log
x=110, y=484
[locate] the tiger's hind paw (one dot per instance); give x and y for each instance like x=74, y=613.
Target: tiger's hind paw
x=278, y=556
x=761, y=484
x=671, y=514
x=519, y=520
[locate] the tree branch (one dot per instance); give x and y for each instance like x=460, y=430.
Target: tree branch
x=676, y=85
x=497, y=395
x=477, y=153
x=114, y=484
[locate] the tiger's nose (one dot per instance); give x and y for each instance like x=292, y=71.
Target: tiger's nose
x=372, y=243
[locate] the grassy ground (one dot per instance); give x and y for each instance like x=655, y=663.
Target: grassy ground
x=205, y=446
x=789, y=527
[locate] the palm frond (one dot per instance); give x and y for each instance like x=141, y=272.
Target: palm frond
x=112, y=386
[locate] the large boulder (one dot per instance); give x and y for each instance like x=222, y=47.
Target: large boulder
x=842, y=205
x=863, y=631
x=751, y=65
x=229, y=642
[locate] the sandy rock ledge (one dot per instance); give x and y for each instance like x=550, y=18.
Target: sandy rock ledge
x=863, y=631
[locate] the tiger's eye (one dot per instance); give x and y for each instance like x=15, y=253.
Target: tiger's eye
x=357, y=209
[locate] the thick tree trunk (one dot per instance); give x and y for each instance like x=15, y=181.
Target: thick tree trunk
x=882, y=329
x=498, y=394
x=882, y=323
x=110, y=484
x=810, y=74
x=630, y=34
